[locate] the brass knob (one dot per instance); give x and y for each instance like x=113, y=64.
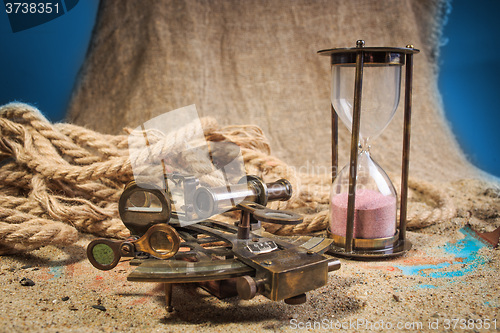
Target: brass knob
x=247, y=287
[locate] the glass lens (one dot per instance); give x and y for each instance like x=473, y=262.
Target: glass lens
x=161, y=242
x=103, y=254
x=375, y=204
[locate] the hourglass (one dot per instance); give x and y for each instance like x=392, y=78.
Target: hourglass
x=366, y=84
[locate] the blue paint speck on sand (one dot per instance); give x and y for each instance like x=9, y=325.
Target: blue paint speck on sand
x=466, y=249
x=492, y=304
x=419, y=269
x=426, y=286
x=56, y=271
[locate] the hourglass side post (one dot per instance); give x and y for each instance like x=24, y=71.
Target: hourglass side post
x=406, y=146
x=335, y=143
x=353, y=165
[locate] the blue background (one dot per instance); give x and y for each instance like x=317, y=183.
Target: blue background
x=469, y=80
x=39, y=66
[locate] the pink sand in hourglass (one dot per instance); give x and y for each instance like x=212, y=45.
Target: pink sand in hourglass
x=374, y=215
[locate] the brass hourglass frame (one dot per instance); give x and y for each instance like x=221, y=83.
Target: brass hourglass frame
x=359, y=57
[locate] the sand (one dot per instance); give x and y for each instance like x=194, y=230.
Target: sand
x=445, y=276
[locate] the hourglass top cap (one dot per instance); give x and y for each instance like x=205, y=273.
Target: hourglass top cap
x=371, y=55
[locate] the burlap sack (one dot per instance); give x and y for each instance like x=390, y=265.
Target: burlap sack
x=255, y=62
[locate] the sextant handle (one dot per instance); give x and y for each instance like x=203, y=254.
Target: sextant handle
x=264, y=214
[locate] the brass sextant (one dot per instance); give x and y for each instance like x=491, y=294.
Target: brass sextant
x=225, y=259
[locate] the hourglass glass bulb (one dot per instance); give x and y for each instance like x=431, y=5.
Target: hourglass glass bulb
x=375, y=202
x=381, y=91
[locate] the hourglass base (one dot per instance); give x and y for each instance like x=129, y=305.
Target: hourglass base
x=366, y=249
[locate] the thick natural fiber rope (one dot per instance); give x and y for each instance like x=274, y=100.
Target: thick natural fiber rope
x=58, y=179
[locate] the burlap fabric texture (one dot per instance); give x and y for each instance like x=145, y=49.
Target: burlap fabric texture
x=256, y=62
